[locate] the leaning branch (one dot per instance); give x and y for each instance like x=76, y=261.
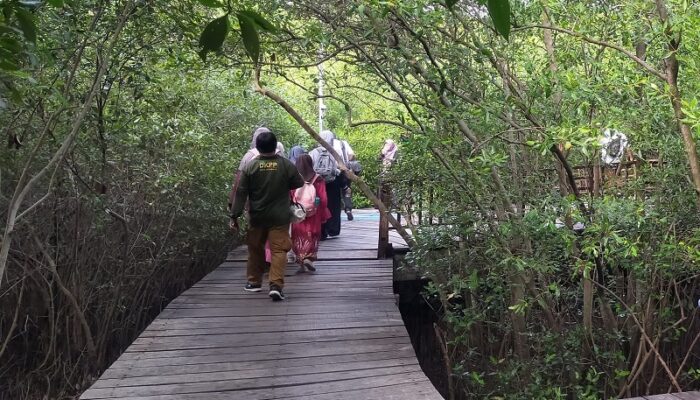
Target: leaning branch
x=348, y=172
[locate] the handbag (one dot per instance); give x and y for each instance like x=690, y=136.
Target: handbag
x=297, y=213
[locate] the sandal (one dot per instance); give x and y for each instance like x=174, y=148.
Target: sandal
x=309, y=265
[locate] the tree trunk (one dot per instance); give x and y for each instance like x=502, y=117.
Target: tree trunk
x=671, y=68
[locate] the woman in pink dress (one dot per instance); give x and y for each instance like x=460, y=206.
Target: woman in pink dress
x=307, y=233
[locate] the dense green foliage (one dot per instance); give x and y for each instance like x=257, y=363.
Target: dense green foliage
x=494, y=133
x=135, y=212
x=131, y=116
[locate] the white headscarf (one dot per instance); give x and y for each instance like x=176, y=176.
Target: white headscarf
x=389, y=152
x=280, y=150
x=328, y=136
x=256, y=134
x=253, y=152
x=342, y=147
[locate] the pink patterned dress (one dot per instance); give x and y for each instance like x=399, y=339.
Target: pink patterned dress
x=306, y=234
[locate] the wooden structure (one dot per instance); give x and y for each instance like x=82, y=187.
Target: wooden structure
x=671, y=396
x=595, y=179
x=339, y=335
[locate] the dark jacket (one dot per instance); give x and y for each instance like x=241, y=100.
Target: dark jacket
x=266, y=182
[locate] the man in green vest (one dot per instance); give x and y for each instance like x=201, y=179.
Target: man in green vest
x=266, y=182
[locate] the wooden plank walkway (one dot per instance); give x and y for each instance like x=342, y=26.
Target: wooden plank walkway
x=670, y=396
x=338, y=335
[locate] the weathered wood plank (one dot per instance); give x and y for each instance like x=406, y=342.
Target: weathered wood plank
x=267, y=326
x=315, y=388
x=329, y=255
x=136, y=370
x=277, y=338
x=688, y=395
x=419, y=390
x=281, y=310
x=693, y=395
x=198, y=375
x=186, y=323
x=256, y=353
x=245, y=383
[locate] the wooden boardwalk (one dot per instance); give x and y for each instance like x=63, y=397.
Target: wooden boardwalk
x=670, y=396
x=338, y=335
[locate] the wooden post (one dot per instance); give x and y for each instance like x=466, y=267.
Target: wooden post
x=431, y=195
x=383, y=225
x=420, y=207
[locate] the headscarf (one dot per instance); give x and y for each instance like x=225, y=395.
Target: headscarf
x=280, y=150
x=328, y=136
x=253, y=152
x=306, y=167
x=295, y=152
x=257, y=133
x=389, y=151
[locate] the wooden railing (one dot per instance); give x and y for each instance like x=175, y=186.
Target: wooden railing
x=416, y=213
x=597, y=179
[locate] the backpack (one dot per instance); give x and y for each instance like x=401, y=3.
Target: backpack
x=325, y=165
x=307, y=198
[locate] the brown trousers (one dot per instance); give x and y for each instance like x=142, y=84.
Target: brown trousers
x=280, y=244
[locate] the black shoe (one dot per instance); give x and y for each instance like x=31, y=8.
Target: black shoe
x=250, y=287
x=276, y=293
x=350, y=217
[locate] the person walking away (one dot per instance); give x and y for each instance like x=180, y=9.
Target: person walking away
x=327, y=168
x=247, y=157
x=280, y=150
x=346, y=152
x=307, y=233
x=268, y=253
x=265, y=183
x=355, y=166
x=387, y=156
x=295, y=152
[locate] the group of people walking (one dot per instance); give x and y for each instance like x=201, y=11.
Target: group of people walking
x=267, y=183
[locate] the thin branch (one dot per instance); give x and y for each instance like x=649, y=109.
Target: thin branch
x=646, y=337
x=352, y=124
x=13, y=326
x=42, y=199
x=613, y=46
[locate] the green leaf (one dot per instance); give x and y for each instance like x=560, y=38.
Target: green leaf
x=8, y=65
x=11, y=45
x=56, y=3
x=451, y=3
x=249, y=34
x=499, y=10
x=213, y=36
x=26, y=23
x=259, y=20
